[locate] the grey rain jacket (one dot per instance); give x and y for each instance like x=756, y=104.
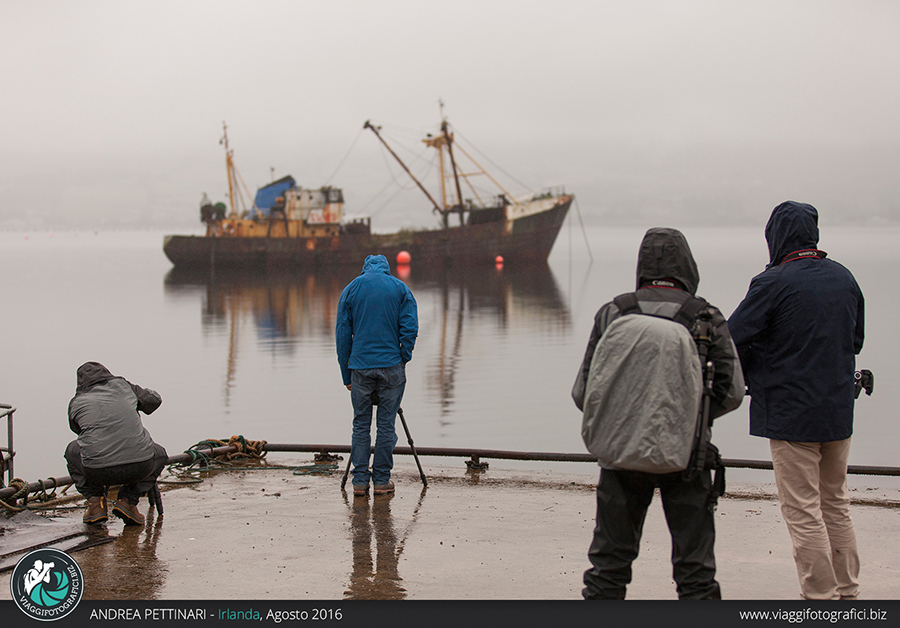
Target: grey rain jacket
x=666, y=276
x=798, y=331
x=104, y=415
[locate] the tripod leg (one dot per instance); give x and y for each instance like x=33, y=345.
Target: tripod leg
x=154, y=497
x=412, y=447
x=346, y=472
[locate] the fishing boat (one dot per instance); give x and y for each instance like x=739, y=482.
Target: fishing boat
x=294, y=227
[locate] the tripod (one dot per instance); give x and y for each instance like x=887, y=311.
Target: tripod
x=408, y=439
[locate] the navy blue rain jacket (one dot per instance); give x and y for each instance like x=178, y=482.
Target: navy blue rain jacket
x=377, y=320
x=798, y=331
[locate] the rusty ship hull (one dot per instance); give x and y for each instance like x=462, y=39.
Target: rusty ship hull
x=527, y=239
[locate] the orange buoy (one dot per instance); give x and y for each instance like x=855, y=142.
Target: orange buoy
x=403, y=257
x=498, y=259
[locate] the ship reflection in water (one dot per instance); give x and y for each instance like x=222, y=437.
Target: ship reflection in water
x=468, y=318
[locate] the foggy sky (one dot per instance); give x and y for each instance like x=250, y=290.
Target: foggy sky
x=703, y=111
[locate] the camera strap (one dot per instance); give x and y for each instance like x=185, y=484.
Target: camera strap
x=803, y=254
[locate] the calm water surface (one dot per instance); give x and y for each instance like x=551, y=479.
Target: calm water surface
x=253, y=354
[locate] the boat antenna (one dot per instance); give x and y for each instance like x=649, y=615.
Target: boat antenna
x=374, y=129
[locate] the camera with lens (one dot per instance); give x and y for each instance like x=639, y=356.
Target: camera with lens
x=863, y=379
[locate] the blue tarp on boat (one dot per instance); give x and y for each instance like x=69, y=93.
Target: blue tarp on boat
x=266, y=195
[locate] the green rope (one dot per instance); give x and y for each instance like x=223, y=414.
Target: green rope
x=316, y=469
x=199, y=456
x=44, y=497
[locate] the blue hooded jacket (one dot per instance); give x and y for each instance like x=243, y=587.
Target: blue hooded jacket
x=798, y=331
x=377, y=320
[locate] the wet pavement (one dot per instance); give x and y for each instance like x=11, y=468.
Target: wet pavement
x=499, y=534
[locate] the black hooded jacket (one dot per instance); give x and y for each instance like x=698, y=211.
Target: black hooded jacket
x=667, y=276
x=798, y=331
x=104, y=415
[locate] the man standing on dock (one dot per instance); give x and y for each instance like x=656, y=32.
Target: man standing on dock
x=798, y=331
x=375, y=333
x=113, y=446
x=667, y=280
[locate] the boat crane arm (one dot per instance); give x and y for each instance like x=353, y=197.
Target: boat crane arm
x=374, y=129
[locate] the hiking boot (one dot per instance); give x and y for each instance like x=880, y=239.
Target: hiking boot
x=128, y=512
x=95, y=511
x=360, y=489
x=383, y=489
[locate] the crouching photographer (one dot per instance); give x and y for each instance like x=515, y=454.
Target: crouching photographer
x=113, y=446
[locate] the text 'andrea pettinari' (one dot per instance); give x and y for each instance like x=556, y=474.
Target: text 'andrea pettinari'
x=151, y=614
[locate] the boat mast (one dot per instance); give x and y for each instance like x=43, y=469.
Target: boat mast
x=400, y=161
x=459, y=200
x=229, y=167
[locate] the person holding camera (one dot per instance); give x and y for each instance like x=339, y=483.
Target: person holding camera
x=798, y=331
x=113, y=446
x=375, y=334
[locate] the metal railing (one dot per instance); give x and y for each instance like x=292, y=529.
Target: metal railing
x=7, y=453
x=474, y=455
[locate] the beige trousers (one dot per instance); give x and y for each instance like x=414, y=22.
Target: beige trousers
x=815, y=503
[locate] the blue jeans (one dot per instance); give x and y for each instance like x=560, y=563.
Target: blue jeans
x=389, y=384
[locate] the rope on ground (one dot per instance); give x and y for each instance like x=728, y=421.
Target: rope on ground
x=246, y=451
x=319, y=468
x=38, y=500
x=43, y=496
x=21, y=487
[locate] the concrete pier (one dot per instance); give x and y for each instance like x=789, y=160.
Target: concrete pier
x=494, y=535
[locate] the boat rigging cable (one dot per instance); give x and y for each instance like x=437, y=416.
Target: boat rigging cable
x=583, y=231
x=394, y=180
x=341, y=164
x=491, y=161
x=374, y=130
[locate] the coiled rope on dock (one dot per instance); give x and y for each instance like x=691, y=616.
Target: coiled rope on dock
x=213, y=453
x=28, y=497
x=21, y=492
x=241, y=450
x=245, y=451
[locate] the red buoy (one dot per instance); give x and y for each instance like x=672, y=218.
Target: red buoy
x=403, y=257
x=498, y=259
